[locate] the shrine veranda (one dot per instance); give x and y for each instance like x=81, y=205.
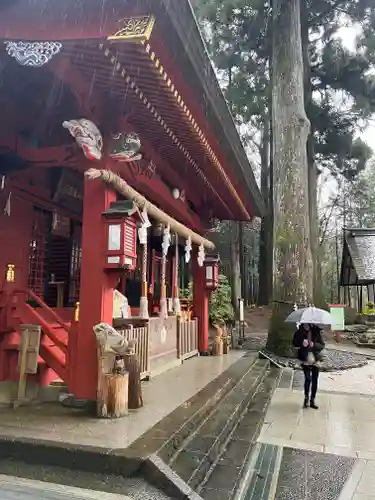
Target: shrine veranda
x=118, y=154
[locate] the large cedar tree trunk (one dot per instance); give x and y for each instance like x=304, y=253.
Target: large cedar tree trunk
x=235, y=265
x=292, y=253
x=265, y=239
x=312, y=168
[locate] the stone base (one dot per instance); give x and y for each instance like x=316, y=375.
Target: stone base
x=87, y=405
x=34, y=393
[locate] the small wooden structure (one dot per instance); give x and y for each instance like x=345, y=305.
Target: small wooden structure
x=28, y=358
x=358, y=267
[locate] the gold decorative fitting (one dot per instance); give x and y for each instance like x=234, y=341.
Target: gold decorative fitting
x=76, y=312
x=134, y=28
x=10, y=275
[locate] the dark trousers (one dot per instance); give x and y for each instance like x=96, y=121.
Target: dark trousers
x=311, y=380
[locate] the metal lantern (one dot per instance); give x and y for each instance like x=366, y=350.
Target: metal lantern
x=121, y=235
x=211, y=267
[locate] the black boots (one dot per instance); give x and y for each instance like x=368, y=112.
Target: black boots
x=312, y=404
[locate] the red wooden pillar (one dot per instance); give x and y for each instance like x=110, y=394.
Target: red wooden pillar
x=200, y=305
x=96, y=290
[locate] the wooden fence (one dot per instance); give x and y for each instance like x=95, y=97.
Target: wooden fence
x=187, y=338
x=141, y=337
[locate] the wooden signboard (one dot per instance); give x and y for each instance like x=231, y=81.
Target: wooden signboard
x=30, y=341
x=28, y=358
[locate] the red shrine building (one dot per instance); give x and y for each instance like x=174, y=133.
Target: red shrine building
x=117, y=155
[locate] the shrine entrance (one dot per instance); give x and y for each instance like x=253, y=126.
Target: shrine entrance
x=55, y=254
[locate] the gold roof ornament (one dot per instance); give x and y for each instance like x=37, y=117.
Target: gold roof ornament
x=137, y=29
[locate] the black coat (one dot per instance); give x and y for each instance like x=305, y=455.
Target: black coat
x=316, y=337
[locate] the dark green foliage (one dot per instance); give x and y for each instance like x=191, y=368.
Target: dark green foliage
x=221, y=309
x=237, y=35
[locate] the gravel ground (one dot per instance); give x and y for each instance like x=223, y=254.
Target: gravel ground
x=334, y=360
x=135, y=488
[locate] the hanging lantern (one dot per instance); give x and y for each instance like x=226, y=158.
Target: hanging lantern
x=125, y=147
x=176, y=193
x=88, y=137
x=201, y=256
x=188, y=249
x=121, y=235
x=32, y=54
x=211, y=265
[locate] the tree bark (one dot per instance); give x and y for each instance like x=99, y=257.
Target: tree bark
x=235, y=266
x=312, y=168
x=293, y=281
x=265, y=240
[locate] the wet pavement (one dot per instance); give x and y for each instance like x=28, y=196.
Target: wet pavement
x=300, y=454
x=312, y=454
x=161, y=396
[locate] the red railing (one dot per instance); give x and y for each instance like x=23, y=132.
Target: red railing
x=43, y=305
x=55, y=356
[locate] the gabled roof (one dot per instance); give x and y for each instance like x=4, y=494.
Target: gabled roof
x=358, y=259
x=177, y=35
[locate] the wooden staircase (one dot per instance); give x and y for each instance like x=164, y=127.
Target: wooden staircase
x=15, y=310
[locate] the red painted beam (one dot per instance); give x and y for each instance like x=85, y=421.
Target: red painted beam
x=54, y=156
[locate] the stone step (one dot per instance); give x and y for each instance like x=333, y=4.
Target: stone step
x=200, y=450
x=226, y=474
x=167, y=436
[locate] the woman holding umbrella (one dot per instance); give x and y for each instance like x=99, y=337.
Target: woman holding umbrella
x=309, y=342
x=308, y=339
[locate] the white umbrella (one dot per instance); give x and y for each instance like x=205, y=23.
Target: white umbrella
x=311, y=315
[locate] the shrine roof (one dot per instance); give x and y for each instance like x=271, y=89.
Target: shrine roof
x=168, y=69
x=358, y=260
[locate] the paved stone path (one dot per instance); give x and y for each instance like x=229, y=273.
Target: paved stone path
x=161, y=396
x=328, y=453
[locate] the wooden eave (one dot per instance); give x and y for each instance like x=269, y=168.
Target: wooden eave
x=127, y=74
x=220, y=155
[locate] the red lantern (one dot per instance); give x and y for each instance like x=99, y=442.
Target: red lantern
x=211, y=265
x=121, y=235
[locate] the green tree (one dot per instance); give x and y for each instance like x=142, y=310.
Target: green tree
x=220, y=308
x=292, y=252
x=238, y=38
